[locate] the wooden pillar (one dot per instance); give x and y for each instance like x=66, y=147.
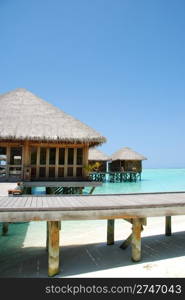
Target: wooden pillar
x=85, y=160
x=26, y=161
x=136, y=240
x=110, y=232
x=8, y=161
x=65, y=162
x=5, y=228
x=47, y=162
x=75, y=162
x=47, y=236
x=56, y=162
x=168, y=226
x=38, y=162
x=53, y=248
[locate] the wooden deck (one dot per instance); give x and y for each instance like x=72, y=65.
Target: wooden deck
x=133, y=207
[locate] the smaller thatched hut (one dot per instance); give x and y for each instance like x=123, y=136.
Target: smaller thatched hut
x=126, y=160
x=98, y=160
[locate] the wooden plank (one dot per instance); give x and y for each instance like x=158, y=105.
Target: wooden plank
x=110, y=232
x=168, y=226
x=136, y=240
x=53, y=248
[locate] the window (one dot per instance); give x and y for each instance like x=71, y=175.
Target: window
x=79, y=156
x=42, y=156
x=70, y=171
x=3, y=157
x=61, y=156
x=15, y=156
x=70, y=156
x=52, y=156
x=33, y=155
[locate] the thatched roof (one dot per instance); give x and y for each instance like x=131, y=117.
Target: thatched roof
x=25, y=116
x=97, y=155
x=127, y=154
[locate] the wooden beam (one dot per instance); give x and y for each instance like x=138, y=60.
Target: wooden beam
x=5, y=228
x=136, y=240
x=168, y=231
x=53, y=248
x=110, y=232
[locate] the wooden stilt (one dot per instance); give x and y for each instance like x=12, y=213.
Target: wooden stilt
x=5, y=228
x=110, y=232
x=47, y=236
x=53, y=248
x=127, y=242
x=136, y=240
x=168, y=226
x=92, y=190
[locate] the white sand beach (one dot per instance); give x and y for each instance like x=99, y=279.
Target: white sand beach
x=84, y=252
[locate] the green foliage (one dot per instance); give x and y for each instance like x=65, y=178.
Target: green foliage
x=93, y=167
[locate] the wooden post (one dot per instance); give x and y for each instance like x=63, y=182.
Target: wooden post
x=38, y=162
x=110, y=232
x=5, y=228
x=47, y=236
x=53, y=248
x=127, y=242
x=56, y=162
x=85, y=160
x=47, y=161
x=136, y=240
x=168, y=226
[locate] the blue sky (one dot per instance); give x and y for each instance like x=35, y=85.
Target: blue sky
x=118, y=66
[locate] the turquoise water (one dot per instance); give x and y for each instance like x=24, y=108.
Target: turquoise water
x=152, y=180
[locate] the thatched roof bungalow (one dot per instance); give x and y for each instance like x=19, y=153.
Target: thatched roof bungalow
x=40, y=141
x=97, y=156
x=126, y=159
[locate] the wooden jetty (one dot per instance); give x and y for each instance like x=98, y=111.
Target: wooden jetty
x=134, y=208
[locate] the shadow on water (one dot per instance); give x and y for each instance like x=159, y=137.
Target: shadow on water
x=78, y=259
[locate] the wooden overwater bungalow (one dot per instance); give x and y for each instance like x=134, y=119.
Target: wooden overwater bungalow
x=40, y=142
x=126, y=165
x=97, y=165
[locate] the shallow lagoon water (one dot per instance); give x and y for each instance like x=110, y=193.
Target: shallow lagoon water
x=152, y=180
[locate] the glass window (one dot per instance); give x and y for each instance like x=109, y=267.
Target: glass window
x=42, y=156
x=70, y=171
x=15, y=156
x=61, y=156
x=33, y=155
x=60, y=172
x=33, y=173
x=79, y=172
x=52, y=156
x=52, y=172
x=70, y=156
x=13, y=171
x=2, y=172
x=42, y=172
x=79, y=156
x=3, y=157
